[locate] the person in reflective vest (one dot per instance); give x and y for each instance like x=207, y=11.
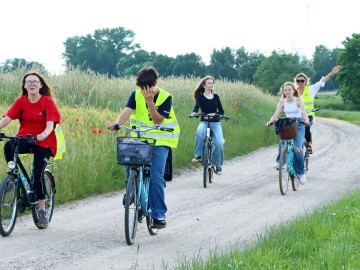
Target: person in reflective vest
x=147, y=106
x=307, y=93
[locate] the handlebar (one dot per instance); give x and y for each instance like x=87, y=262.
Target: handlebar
x=313, y=110
x=291, y=119
x=28, y=138
x=210, y=117
x=138, y=131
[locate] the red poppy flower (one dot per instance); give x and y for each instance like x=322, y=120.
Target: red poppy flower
x=77, y=119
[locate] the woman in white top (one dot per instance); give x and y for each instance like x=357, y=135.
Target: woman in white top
x=293, y=107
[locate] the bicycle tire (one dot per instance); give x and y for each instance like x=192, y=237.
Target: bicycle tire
x=131, y=208
x=150, y=223
x=8, y=204
x=206, y=162
x=295, y=182
x=306, y=158
x=49, y=199
x=283, y=171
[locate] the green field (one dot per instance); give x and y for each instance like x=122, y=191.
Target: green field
x=326, y=239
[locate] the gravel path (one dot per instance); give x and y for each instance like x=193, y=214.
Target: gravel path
x=240, y=204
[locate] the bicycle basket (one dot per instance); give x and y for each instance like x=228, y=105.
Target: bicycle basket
x=286, y=128
x=134, y=151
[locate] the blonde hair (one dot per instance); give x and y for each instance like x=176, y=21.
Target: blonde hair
x=302, y=75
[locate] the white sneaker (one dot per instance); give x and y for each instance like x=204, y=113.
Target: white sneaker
x=277, y=165
x=302, y=179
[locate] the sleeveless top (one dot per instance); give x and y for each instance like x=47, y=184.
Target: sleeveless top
x=291, y=109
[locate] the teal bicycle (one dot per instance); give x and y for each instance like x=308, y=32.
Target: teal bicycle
x=16, y=190
x=136, y=154
x=286, y=165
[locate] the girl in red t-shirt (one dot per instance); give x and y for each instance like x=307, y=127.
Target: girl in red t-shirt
x=38, y=114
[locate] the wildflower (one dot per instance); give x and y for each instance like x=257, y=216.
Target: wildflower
x=83, y=92
x=100, y=131
x=77, y=119
x=92, y=127
x=94, y=131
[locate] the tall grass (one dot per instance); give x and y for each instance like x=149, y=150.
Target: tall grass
x=88, y=102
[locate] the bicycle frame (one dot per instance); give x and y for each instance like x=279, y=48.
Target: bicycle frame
x=13, y=195
x=138, y=185
x=207, y=159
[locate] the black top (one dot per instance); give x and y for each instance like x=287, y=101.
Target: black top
x=209, y=106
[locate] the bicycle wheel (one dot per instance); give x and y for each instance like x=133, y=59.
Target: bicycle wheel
x=206, y=162
x=150, y=223
x=295, y=182
x=131, y=208
x=306, y=158
x=8, y=204
x=283, y=171
x=49, y=199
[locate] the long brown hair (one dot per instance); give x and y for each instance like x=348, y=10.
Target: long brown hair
x=200, y=89
x=282, y=95
x=44, y=90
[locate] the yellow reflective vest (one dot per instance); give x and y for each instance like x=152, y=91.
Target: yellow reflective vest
x=141, y=118
x=308, y=101
x=60, y=142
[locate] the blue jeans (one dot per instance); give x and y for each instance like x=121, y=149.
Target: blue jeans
x=157, y=183
x=218, y=153
x=298, y=157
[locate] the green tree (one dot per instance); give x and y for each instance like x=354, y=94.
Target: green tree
x=222, y=64
x=163, y=63
x=349, y=75
x=276, y=69
x=323, y=61
x=131, y=63
x=101, y=51
x=11, y=65
x=246, y=64
x=188, y=65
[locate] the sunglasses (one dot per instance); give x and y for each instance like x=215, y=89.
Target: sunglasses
x=300, y=81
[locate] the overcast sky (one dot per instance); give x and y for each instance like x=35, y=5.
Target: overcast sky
x=36, y=30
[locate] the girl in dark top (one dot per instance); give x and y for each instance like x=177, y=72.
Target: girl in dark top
x=209, y=104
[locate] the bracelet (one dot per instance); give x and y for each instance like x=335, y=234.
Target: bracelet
x=45, y=134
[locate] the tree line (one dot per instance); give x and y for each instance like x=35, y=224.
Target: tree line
x=115, y=53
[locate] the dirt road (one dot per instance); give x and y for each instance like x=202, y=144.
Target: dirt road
x=241, y=203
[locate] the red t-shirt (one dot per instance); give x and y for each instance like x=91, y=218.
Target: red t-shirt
x=33, y=118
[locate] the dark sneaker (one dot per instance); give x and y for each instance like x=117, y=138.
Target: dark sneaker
x=43, y=221
x=159, y=223
x=308, y=148
x=218, y=170
x=196, y=160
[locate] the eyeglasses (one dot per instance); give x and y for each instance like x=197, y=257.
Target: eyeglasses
x=300, y=81
x=32, y=82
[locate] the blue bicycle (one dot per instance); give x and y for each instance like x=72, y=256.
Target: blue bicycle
x=17, y=193
x=286, y=165
x=136, y=154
